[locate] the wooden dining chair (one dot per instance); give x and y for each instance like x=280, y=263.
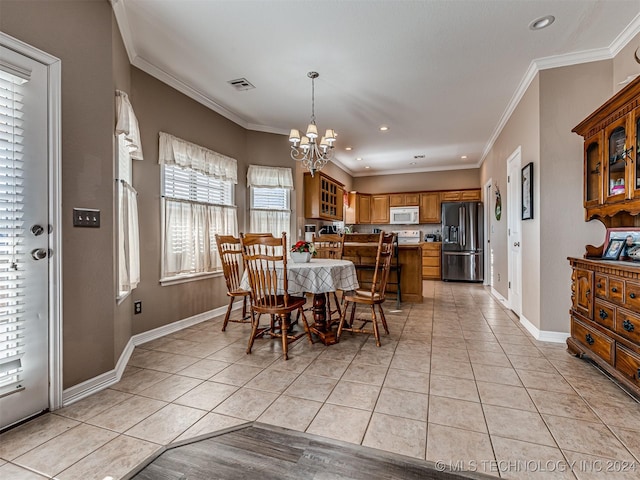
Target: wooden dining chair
x=230, y=252
x=373, y=296
x=266, y=267
x=330, y=246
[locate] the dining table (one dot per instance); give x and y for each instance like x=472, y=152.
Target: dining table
x=319, y=276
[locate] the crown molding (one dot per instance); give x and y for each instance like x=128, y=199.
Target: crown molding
x=267, y=129
x=190, y=92
x=343, y=167
x=629, y=32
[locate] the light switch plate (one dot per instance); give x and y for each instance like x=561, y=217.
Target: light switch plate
x=86, y=217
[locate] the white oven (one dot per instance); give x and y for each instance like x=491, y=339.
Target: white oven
x=404, y=215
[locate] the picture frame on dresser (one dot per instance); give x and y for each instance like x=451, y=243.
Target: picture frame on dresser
x=614, y=248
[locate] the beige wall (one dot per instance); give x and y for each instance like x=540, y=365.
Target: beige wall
x=80, y=34
x=522, y=130
x=161, y=108
x=415, y=182
x=567, y=96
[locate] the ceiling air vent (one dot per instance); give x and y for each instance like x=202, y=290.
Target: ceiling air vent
x=418, y=157
x=241, y=84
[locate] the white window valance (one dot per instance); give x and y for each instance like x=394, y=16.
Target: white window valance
x=269, y=177
x=175, y=151
x=127, y=124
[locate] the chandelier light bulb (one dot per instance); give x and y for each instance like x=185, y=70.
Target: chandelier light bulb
x=312, y=131
x=294, y=136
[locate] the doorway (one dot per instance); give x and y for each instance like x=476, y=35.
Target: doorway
x=514, y=235
x=30, y=280
x=488, y=253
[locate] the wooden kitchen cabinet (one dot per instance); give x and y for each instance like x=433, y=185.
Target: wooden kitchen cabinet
x=359, y=209
x=379, y=209
x=611, y=172
x=473, y=195
x=323, y=197
x=430, y=207
x=404, y=199
x=431, y=260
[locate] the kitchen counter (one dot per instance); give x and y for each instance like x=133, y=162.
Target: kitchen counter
x=363, y=254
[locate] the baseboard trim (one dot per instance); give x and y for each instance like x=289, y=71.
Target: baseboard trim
x=499, y=297
x=543, y=335
x=105, y=380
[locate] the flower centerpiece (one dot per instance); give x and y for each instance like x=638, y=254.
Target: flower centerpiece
x=302, y=251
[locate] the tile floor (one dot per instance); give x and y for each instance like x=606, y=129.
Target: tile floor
x=458, y=381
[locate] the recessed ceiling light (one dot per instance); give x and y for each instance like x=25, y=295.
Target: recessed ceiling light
x=384, y=128
x=367, y=166
x=542, y=22
x=348, y=149
x=463, y=157
x=359, y=158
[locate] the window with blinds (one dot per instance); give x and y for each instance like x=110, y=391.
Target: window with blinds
x=196, y=207
x=11, y=232
x=187, y=184
x=269, y=198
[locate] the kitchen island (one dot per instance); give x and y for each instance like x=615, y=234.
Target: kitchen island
x=361, y=250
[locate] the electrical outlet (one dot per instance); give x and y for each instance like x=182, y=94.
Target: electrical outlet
x=137, y=307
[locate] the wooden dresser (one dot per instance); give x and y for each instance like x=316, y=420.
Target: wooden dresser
x=605, y=310
x=605, y=316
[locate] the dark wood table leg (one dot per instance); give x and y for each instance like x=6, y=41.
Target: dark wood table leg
x=320, y=326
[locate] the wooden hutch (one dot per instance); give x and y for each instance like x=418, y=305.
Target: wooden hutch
x=605, y=311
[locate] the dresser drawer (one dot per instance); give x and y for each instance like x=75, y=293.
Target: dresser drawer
x=632, y=295
x=430, y=262
x=616, y=290
x=598, y=343
x=602, y=286
x=604, y=314
x=628, y=363
x=628, y=325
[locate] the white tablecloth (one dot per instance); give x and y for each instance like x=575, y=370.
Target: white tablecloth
x=320, y=275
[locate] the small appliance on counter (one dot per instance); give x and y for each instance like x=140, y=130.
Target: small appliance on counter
x=408, y=237
x=430, y=237
x=309, y=231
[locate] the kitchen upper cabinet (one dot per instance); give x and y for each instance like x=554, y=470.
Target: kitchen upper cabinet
x=359, y=209
x=430, y=207
x=404, y=199
x=611, y=170
x=323, y=197
x=379, y=209
x=461, y=196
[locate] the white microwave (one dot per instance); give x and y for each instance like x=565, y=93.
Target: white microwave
x=404, y=215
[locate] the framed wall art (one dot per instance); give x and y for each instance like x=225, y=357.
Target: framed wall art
x=527, y=191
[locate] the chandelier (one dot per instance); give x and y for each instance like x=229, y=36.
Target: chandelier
x=313, y=154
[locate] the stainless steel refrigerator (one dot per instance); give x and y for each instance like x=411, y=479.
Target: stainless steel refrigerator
x=462, y=241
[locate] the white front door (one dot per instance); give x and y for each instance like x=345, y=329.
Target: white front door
x=24, y=238
x=514, y=236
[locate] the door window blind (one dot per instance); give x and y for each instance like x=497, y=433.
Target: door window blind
x=11, y=233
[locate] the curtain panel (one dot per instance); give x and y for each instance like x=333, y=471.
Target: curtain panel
x=127, y=124
x=175, y=151
x=128, y=238
x=189, y=236
x=269, y=177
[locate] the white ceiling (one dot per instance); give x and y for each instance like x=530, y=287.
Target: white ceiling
x=443, y=74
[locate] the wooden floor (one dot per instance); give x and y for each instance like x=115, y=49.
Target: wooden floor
x=267, y=452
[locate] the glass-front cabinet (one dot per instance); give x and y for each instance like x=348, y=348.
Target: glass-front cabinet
x=611, y=161
x=593, y=170
x=617, y=157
